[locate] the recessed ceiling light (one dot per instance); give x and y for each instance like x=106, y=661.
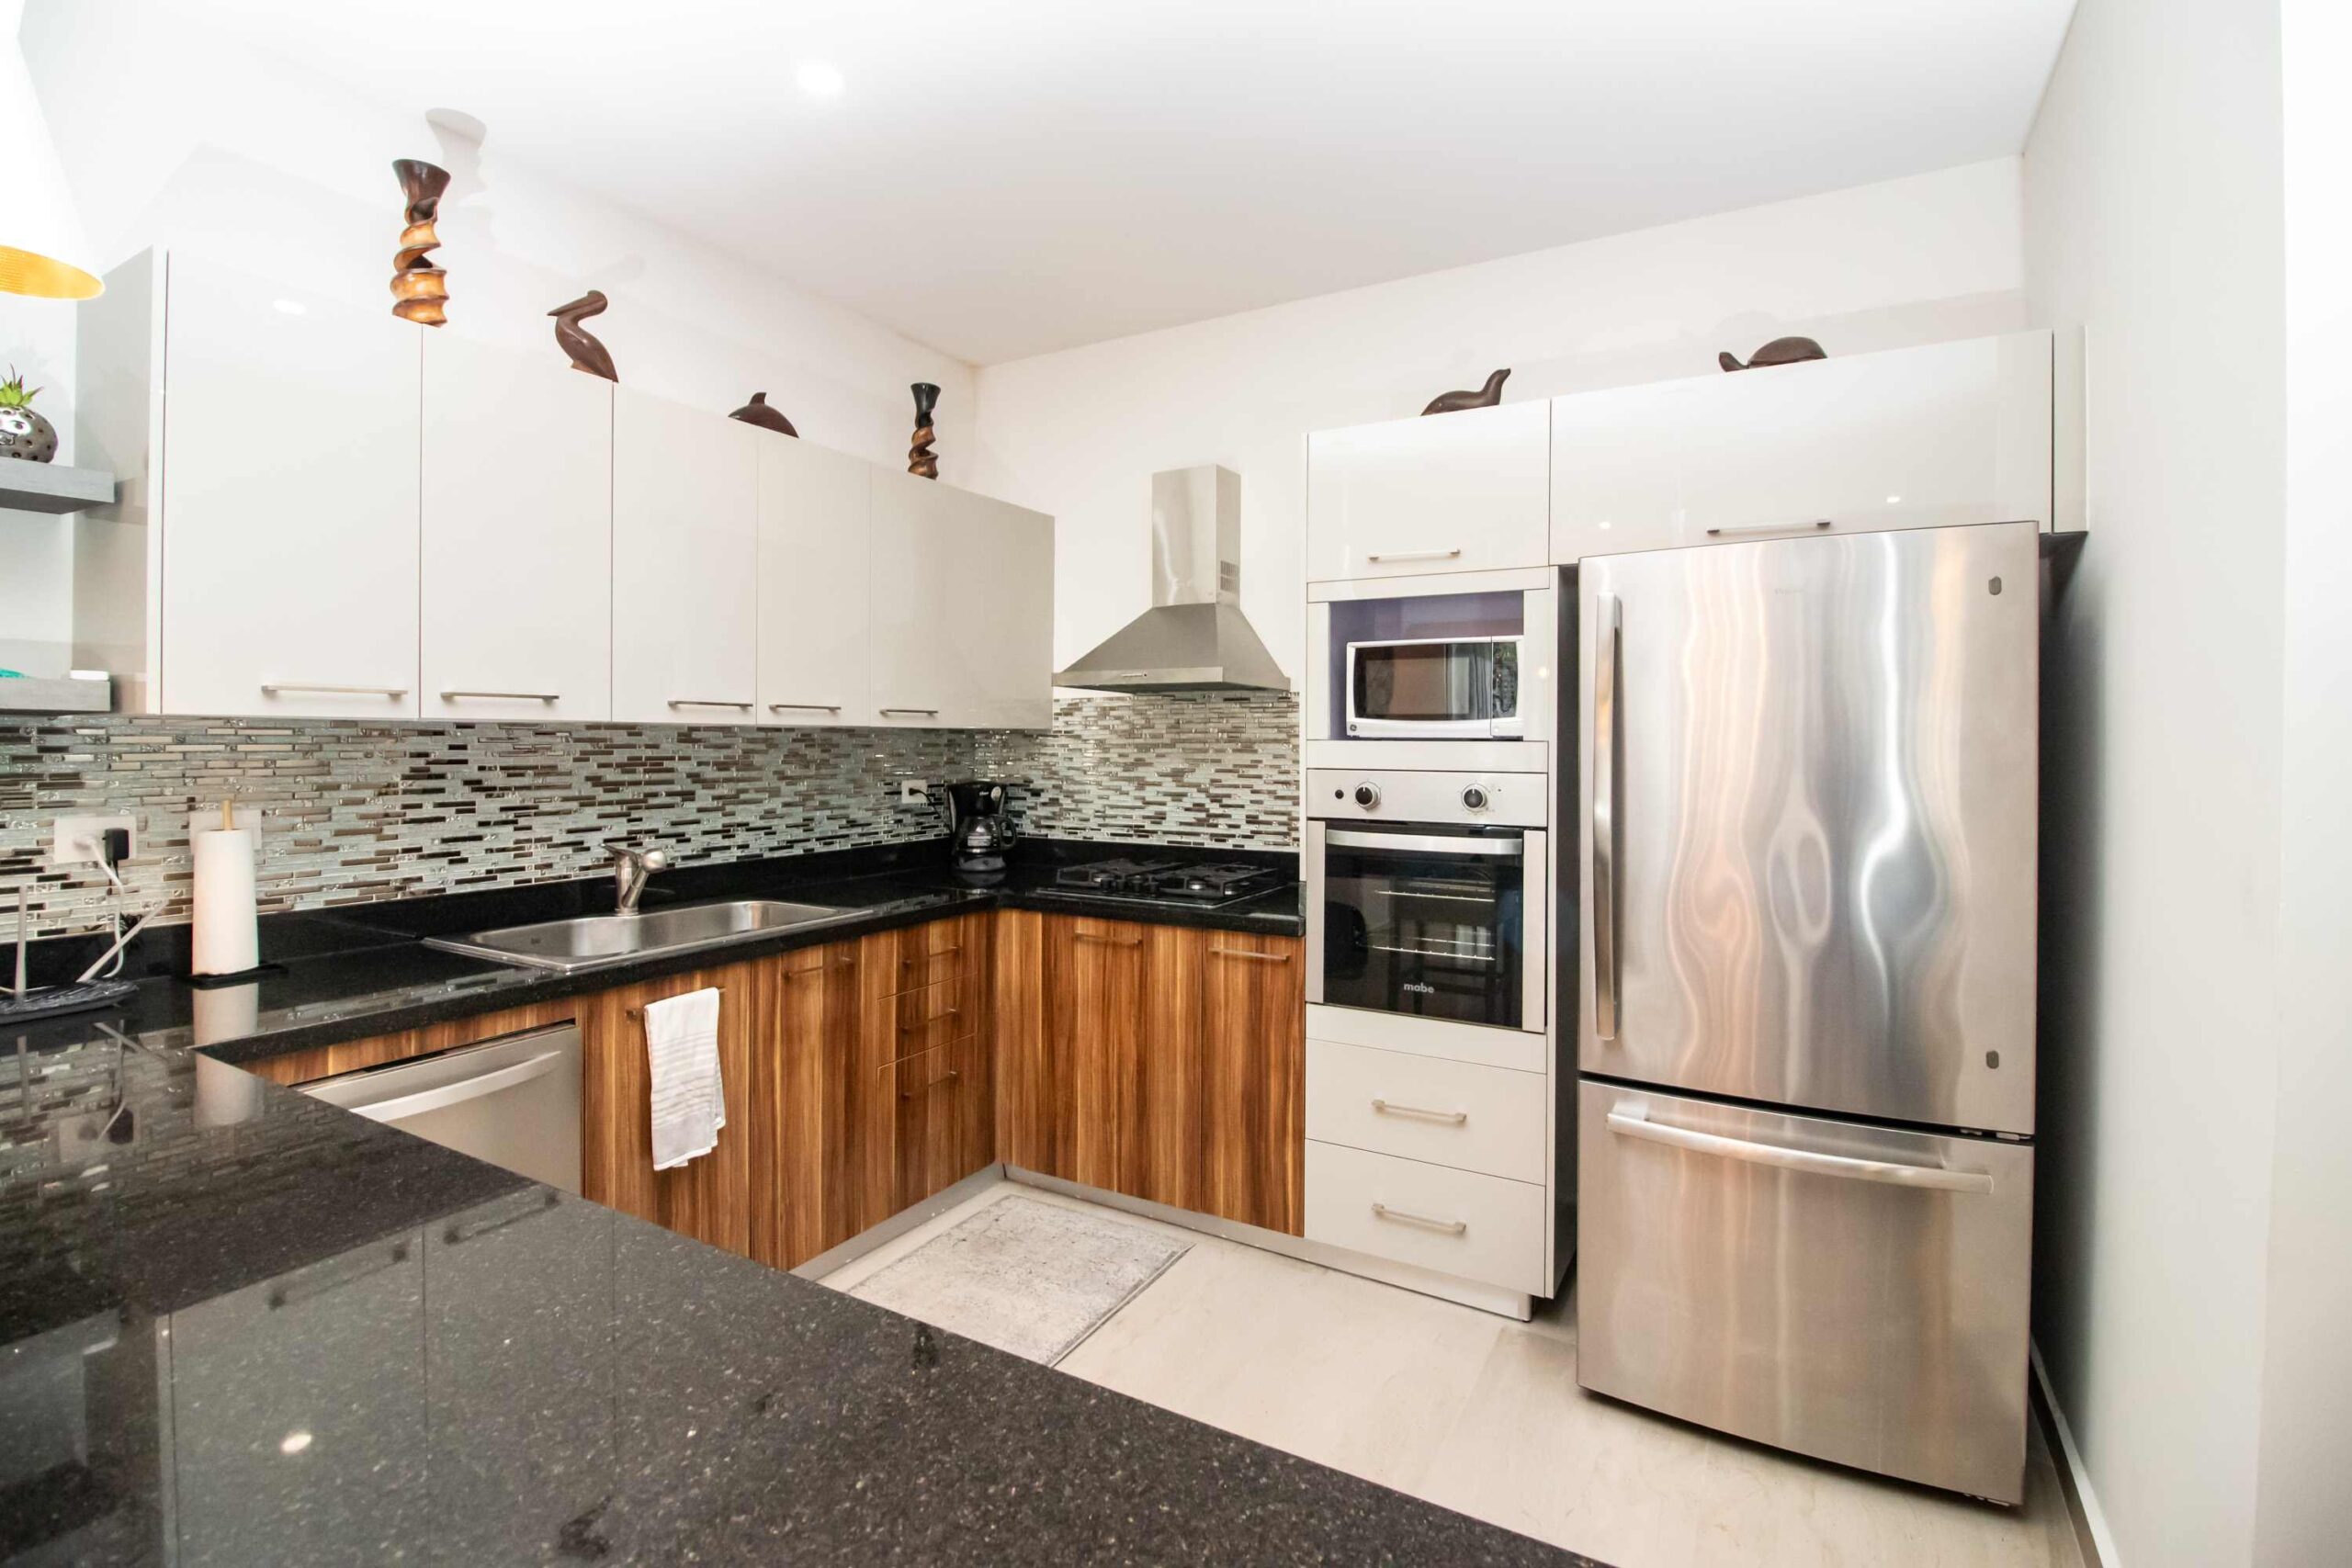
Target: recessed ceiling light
x=1895, y=500
x=291, y=307
x=819, y=78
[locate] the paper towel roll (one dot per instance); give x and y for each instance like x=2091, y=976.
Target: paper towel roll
x=225, y=939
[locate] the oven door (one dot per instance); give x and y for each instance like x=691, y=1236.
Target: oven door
x=1427, y=921
x=1458, y=689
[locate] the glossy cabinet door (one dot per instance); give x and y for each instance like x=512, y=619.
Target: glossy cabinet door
x=815, y=519
x=517, y=616
x=961, y=592
x=685, y=564
x=1463, y=491
x=289, y=502
x=1950, y=433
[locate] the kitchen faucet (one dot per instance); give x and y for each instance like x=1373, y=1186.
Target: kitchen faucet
x=630, y=868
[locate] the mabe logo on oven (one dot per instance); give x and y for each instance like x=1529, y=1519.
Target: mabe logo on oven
x=1421, y=985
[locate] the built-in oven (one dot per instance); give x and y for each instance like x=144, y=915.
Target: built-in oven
x=1434, y=688
x=1431, y=906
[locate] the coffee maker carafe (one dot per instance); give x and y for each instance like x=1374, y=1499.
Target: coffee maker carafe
x=978, y=826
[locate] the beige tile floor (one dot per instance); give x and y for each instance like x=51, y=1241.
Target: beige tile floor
x=1483, y=1415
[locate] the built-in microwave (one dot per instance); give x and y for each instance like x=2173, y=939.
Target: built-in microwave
x=1435, y=689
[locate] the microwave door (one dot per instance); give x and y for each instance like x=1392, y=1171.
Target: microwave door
x=1420, y=688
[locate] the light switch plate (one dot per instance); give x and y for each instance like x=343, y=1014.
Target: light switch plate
x=72, y=833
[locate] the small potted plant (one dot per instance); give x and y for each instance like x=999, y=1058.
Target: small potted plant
x=23, y=433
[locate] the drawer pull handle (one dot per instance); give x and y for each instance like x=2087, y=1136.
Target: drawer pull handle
x=948, y=1076
x=1407, y=1217
x=503, y=697
x=804, y=707
x=1456, y=1117
x=941, y=952
x=1109, y=941
x=1768, y=527
x=1635, y=1123
x=1414, y=555
x=928, y=1017
x=707, y=702
x=919, y=713
x=275, y=688
x=1244, y=953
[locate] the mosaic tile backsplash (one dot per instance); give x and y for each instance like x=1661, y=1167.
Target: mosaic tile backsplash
x=357, y=812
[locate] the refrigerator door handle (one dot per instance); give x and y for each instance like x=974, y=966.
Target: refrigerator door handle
x=1635, y=1123
x=1608, y=620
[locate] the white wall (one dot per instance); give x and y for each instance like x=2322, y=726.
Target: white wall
x=2152, y=218
x=1079, y=433
x=166, y=133
x=2303, y=1510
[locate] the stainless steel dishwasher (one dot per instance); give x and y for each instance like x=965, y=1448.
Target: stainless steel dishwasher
x=513, y=1101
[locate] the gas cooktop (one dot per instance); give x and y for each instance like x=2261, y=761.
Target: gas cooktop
x=1169, y=881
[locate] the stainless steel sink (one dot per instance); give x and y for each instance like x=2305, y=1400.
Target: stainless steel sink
x=592, y=940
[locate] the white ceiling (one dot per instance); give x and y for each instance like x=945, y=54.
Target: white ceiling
x=1002, y=179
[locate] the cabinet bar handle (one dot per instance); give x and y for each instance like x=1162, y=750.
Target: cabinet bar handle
x=804, y=707
x=1769, y=527
x=505, y=697
x=1414, y=555
x=1244, y=953
x=272, y=688
x=639, y=1012
x=1385, y=1109
x=1108, y=940
x=704, y=702
x=929, y=1017
x=943, y=953
x=1407, y=1217
x=927, y=712
x=950, y=1076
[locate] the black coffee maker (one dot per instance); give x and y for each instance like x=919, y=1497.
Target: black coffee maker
x=978, y=826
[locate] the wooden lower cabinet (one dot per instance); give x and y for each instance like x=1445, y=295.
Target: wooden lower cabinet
x=1161, y=1062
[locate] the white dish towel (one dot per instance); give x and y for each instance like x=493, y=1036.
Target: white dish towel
x=689, y=1102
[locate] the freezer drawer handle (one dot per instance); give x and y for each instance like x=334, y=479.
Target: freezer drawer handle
x=458, y=1093
x=1456, y=1117
x=1635, y=1124
x=1407, y=1217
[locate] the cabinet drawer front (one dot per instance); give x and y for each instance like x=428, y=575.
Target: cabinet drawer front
x=1454, y=1113
x=1854, y=1292
x=1455, y=1222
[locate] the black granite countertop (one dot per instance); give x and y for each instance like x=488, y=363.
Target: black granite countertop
x=242, y=1326
x=339, y=975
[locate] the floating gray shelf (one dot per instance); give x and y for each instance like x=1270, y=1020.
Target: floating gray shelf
x=36, y=694
x=52, y=487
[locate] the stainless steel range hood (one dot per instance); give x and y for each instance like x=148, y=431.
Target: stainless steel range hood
x=1195, y=637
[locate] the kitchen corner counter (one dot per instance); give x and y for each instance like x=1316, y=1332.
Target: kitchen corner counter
x=271, y=1331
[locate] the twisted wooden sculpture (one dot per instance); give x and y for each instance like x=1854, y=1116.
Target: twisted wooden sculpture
x=920, y=459
x=575, y=340
x=420, y=289
x=1485, y=396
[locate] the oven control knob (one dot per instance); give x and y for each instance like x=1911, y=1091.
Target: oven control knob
x=1367, y=795
x=1474, y=796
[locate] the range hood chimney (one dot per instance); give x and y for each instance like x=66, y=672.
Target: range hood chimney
x=1195, y=637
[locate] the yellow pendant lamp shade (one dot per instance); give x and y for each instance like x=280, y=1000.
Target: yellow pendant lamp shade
x=44, y=278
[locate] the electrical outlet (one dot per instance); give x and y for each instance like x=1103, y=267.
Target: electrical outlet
x=81, y=841
x=913, y=792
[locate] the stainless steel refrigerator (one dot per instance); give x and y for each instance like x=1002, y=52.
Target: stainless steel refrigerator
x=1806, y=1009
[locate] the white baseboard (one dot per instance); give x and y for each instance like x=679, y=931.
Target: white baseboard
x=2097, y=1543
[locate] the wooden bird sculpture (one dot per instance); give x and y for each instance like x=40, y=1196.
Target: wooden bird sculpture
x=757, y=412
x=1485, y=396
x=1780, y=351
x=420, y=289
x=575, y=340
x=920, y=459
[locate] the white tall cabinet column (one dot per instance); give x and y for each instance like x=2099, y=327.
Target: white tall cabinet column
x=289, y=502
x=815, y=515
x=685, y=564
x=517, y=535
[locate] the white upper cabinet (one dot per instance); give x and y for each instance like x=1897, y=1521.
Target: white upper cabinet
x=961, y=596
x=685, y=563
x=1908, y=438
x=517, y=535
x=1463, y=491
x=815, y=521
x=289, y=501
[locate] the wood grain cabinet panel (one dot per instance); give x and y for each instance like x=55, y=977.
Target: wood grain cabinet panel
x=1254, y=1080
x=1094, y=996
x=1160, y=1131
x=804, y=1047
x=1024, y=1106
